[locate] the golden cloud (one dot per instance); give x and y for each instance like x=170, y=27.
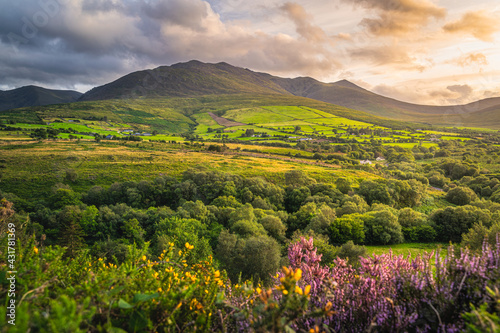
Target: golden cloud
x=398, y=17
x=302, y=22
x=479, y=24
x=470, y=59
x=393, y=55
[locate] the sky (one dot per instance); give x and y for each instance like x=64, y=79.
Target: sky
x=438, y=52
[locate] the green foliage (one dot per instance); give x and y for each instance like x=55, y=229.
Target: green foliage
x=483, y=319
x=479, y=233
x=343, y=185
x=85, y=294
x=382, y=227
x=347, y=228
x=352, y=253
x=255, y=257
x=452, y=222
x=461, y=195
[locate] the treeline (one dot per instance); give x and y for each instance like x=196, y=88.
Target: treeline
x=248, y=222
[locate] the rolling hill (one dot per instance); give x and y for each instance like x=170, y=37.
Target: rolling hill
x=195, y=78
x=35, y=96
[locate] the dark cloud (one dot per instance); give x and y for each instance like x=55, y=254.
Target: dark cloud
x=186, y=13
x=95, y=6
x=90, y=42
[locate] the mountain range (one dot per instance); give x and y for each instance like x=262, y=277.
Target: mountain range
x=35, y=96
x=195, y=78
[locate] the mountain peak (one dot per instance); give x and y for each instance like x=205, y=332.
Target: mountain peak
x=347, y=84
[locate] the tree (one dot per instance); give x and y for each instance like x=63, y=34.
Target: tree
x=352, y=205
x=343, y=185
x=376, y=191
x=64, y=197
x=452, y=222
x=256, y=257
x=296, y=197
x=324, y=217
x=246, y=228
x=301, y=219
x=132, y=230
x=71, y=237
x=461, y=195
x=347, y=228
x=381, y=228
x=274, y=227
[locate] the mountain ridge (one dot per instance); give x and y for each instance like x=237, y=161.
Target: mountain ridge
x=196, y=78
x=32, y=95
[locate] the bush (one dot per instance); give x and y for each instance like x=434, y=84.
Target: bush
x=382, y=227
x=461, y=196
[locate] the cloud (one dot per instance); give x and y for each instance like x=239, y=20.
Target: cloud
x=453, y=94
x=94, y=41
x=425, y=94
x=398, y=17
x=463, y=90
x=389, y=55
x=470, y=59
x=479, y=24
x=303, y=24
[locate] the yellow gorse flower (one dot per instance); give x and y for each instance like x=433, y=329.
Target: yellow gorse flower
x=35, y=249
x=189, y=246
x=298, y=274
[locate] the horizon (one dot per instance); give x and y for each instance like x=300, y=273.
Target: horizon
x=422, y=52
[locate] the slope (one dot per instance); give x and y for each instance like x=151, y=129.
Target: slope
x=34, y=96
x=347, y=94
x=193, y=78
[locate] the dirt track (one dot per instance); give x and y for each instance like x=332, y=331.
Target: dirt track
x=224, y=122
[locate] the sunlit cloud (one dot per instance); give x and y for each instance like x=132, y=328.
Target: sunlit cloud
x=479, y=24
x=398, y=17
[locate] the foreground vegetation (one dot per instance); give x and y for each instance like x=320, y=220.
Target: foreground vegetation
x=187, y=229
x=176, y=293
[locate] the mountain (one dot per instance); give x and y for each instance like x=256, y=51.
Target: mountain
x=35, y=96
x=192, y=78
x=347, y=94
x=195, y=78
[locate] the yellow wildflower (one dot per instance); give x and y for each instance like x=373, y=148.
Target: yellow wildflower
x=298, y=274
x=35, y=249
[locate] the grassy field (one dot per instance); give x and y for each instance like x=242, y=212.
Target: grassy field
x=31, y=169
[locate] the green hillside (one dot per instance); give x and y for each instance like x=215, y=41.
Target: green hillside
x=33, y=96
